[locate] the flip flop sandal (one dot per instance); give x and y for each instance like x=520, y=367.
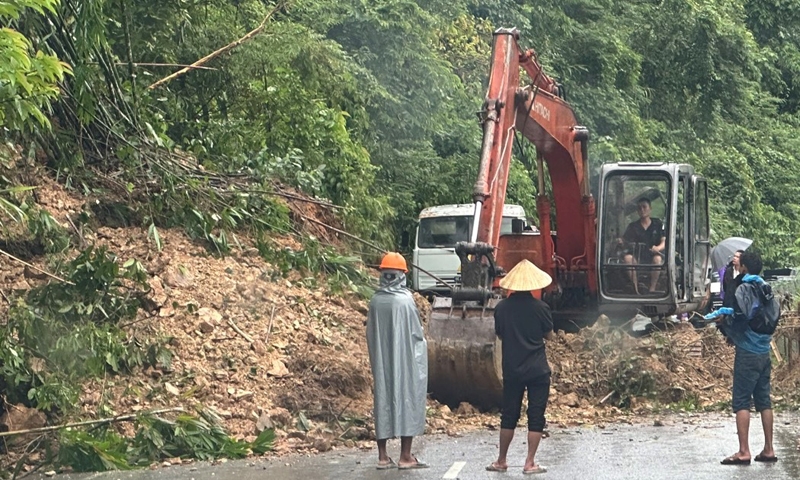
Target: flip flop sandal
x=418, y=464
x=539, y=469
x=735, y=461
x=765, y=459
x=387, y=466
x=493, y=468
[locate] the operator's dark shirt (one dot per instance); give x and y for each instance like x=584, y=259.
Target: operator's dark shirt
x=650, y=237
x=521, y=321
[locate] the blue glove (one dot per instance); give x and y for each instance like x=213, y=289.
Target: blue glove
x=719, y=312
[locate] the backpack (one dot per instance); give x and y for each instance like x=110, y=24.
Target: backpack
x=767, y=311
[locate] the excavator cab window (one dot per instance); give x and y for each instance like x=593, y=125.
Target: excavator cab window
x=634, y=237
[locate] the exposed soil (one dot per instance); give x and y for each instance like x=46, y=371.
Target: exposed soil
x=286, y=353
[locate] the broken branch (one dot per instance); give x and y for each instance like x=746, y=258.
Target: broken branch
x=219, y=51
x=239, y=331
x=12, y=257
x=119, y=418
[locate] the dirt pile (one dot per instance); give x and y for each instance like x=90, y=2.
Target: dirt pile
x=268, y=351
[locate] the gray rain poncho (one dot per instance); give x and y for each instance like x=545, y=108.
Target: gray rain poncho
x=398, y=354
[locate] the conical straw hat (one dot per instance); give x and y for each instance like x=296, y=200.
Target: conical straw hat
x=525, y=276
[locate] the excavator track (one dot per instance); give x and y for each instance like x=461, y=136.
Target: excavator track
x=464, y=354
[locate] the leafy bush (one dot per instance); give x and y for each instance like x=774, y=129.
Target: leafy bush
x=188, y=436
x=62, y=332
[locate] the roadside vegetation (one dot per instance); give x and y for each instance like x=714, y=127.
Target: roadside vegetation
x=209, y=116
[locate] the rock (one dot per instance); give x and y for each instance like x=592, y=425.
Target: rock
x=322, y=445
x=264, y=423
x=172, y=389
x=205, y=327
x=20, y=417
x=209, y=315
x=157, y=293
x=466, y=409
x=278, y=369
x=569, y=400
x=50, y=473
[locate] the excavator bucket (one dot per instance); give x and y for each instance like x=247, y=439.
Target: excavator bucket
x=464, y=354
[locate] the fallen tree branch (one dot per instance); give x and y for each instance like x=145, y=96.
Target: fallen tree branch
x=239, y=331
x=12, y=257
x=118, y=418
x=293, y=197
x=220, y=51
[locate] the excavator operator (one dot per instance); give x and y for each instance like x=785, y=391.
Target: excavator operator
x=645, y=240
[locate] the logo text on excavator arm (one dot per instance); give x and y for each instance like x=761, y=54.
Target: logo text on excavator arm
x=541, y=110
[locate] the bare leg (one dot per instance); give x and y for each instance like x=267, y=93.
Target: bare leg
x=766, y=422
x=506, y=435
x=657, y=260
x=383, y=457
x=533, y=444
x=405, y=452
x=632, y=271
x=743, y=431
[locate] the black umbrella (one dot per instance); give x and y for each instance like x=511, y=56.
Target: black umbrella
x=723, y=252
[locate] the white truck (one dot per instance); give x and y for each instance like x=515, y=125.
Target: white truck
x=438, y=231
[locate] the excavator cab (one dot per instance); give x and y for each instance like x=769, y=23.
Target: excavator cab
x=653, y=239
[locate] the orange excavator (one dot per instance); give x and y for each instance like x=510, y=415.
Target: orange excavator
x=597, y=265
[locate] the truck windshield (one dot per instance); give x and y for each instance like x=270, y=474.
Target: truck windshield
x=445, y=232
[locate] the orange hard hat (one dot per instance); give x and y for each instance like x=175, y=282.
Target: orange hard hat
x=394, y=261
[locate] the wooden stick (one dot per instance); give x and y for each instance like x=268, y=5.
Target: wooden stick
x=219, y=51
x=80, y=235
x=269, y=329
x=293, y=197
x=612, y=392
x=12, y=257
x=239, y=331
x=775, y=350
x=119, y=418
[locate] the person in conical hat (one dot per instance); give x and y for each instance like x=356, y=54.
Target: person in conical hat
x=525, y=277
x=523, y=322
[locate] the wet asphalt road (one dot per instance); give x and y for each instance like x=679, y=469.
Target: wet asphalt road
x=686, y=447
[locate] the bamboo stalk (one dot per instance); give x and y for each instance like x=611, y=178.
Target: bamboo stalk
x=35, y=268
x=118, y=418
x=220, y=51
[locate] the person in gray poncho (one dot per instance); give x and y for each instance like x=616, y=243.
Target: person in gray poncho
x=398, y=355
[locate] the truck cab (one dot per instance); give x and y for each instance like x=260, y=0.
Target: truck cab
x=438, y=230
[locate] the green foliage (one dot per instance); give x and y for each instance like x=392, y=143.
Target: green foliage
x=28, y=78
x=63, y=332
x=187, y=436
x=344, y=274
x=630, y=380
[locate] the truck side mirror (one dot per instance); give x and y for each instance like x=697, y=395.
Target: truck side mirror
x=517, y=225
x=404, y=239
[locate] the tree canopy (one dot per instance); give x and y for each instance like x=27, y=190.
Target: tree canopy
x=371, y=104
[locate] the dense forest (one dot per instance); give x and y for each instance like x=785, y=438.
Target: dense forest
x=371, y=104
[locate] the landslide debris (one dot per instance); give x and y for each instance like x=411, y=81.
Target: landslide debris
x=268, y=348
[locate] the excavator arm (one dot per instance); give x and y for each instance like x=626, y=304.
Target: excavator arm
x=464, y=355
x=546, y=120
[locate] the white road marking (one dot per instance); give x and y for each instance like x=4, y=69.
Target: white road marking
x=454, y=470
